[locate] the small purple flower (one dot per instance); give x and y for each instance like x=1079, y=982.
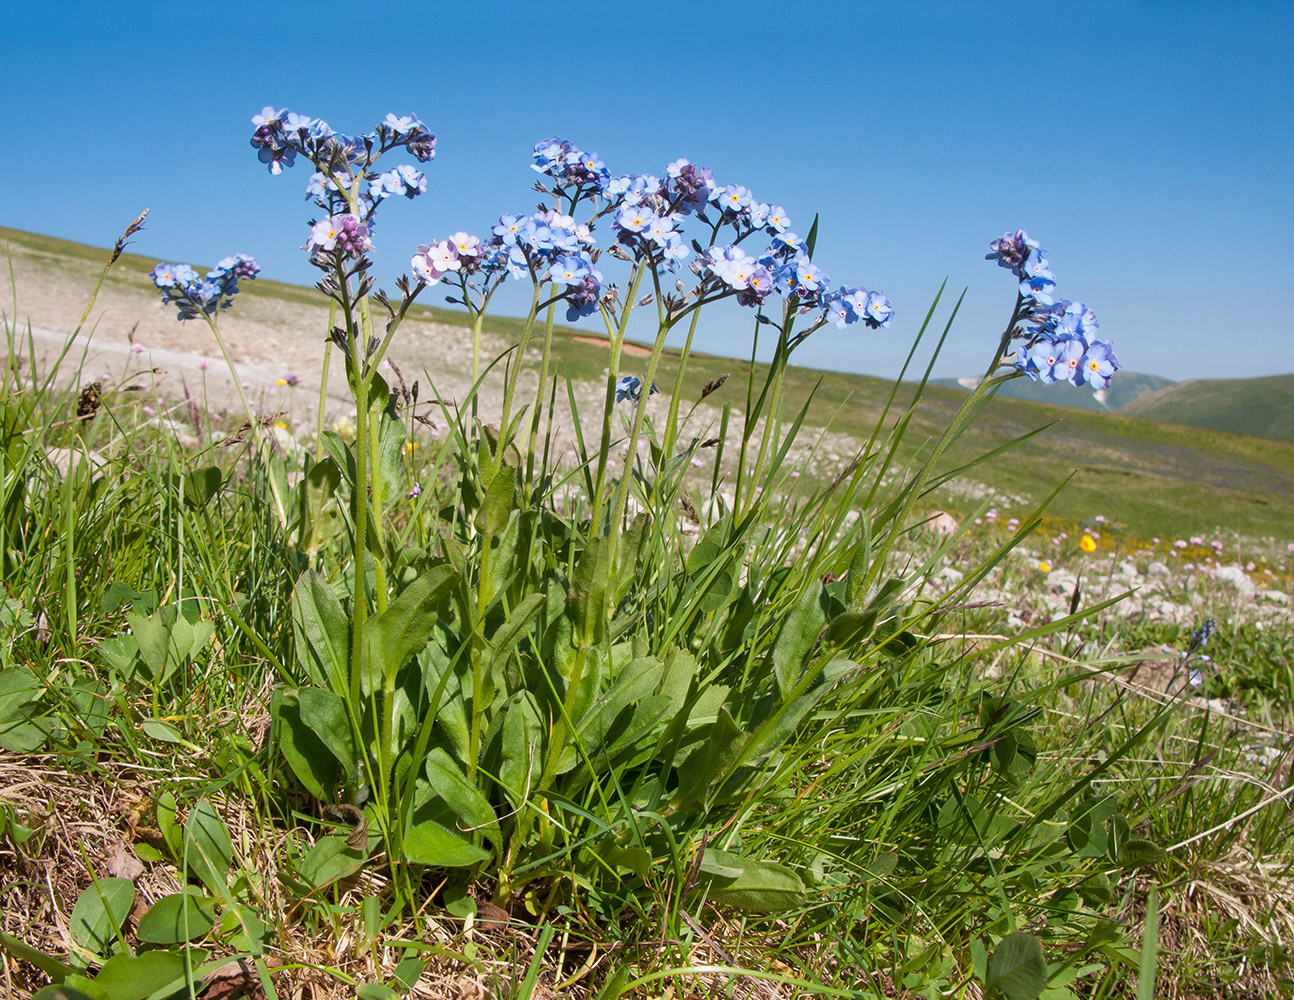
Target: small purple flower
x=1011, y=249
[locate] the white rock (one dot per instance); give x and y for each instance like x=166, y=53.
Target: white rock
x=950, y=576
x=1237, y=577
x=1157, y=568
x=942, y=523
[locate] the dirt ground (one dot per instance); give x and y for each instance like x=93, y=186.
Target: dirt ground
x=130, y=338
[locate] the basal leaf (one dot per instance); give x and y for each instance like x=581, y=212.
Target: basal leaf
x=208, y=850
x=1016, y=969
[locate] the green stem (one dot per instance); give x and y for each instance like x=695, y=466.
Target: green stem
x=617, y=337
x=545, y=357
x=622, y=494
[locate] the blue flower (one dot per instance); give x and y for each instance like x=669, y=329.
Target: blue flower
x=1099, y=363
x=630, y=387
x=568, y=270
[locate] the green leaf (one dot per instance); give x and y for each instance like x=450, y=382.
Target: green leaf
x=1016, y=969
x=307, y=755
x=387, y=479
x=588, y=602
x=395, y=636
x=429, y=843
x=317, y=486
x=859, y=564
x=163, y=732
x=707, y=763
x=514, y=629
x=165, y=810
x=1136, y=853
x=493, y=516
x=22, y=728
x=374, y=991
x=330, y=859
x=462, y=797
x=208, y=850
x=183, y=916
x=758, y=886
x=522, y=749
x=325, y=714
x=99, y=913
x=407, y=973
x=47, y=964
x=60, y=993
x=322, y=632
x=798, y=636
x=134, y=977
x=201, y=485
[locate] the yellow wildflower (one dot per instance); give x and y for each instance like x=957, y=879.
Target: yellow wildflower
x=1087, y=543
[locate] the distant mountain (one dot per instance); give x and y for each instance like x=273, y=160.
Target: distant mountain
x=1127, y=386
x=1260, y=407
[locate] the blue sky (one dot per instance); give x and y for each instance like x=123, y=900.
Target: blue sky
x=1148, y=144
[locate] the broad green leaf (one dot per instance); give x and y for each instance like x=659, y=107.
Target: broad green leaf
x=375, y=991
x=183, y=916
x=859, y=565
x=588, y=601
x=408, y=972
x=466, y=801
x=307, y=755
x=165, y=810
x=208, y=850
x=388, y=482
x=322, y=632
x=1016, y=969
x=798, y=636
x=1137, y=853
x=330, y=859
x=395, y=636
x=60, y=993
x=429, y=843
x=706, y=764
x=19, y=689
x=515, y=628
x=22, y=727
x=495, y=512
x=99, y=913
x=160, y=730
x=201, y=485
x=760, y=886
x=522, y=748
x=134, y=977
x=325, y=714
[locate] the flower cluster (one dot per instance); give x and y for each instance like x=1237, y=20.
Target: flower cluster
x=460, y=253
x=345, y=183
x=207, y=295
x=549, y=246
x=1058, y=339
x=647, y=218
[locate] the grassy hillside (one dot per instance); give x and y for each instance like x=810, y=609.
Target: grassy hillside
x=1155, y=478
x=1263, y=407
